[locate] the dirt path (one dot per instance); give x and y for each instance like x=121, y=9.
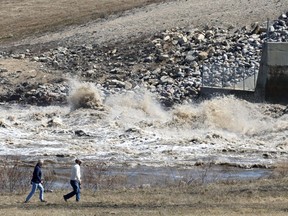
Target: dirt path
x=156, y=17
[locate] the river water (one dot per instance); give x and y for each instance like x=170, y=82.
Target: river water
x=131, y=129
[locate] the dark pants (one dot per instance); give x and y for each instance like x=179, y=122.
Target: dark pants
x=76, y=190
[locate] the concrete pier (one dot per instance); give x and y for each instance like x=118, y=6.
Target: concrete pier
x=272, y=80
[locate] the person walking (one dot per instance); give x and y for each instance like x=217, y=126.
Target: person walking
x=36, y=182
x=75, y=181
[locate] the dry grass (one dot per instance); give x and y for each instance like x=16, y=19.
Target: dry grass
x=262, y=197
x=19, y=18
x=225, y=197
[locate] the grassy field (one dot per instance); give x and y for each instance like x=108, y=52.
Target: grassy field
x=19, y=19
x=261, y=197
x=112, y=194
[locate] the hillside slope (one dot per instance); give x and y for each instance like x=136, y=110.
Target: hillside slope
x=150, y=19
x=134, y=47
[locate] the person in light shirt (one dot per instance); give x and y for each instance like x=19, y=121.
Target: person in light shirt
x=75, y=181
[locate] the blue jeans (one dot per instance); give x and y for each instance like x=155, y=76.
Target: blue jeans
x=34, y=187
x=76, y=190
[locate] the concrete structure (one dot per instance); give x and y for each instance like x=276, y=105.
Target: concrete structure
x=272, y=82
x=272, y=79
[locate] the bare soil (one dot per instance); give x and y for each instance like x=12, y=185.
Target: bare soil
x=20, y=19
x=110, y=20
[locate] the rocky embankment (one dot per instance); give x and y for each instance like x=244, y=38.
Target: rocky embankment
x=170, y=64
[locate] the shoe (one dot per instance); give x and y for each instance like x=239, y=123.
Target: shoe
x=43, y=201
x=26, y=201
x=64, y=199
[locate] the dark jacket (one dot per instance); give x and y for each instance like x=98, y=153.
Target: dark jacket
x=37, y=174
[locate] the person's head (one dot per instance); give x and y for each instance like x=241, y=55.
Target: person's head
x=40, y=162
x=78, y=161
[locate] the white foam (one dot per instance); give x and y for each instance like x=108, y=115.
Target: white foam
x=134, y=129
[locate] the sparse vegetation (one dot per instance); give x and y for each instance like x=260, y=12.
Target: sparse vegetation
x=13, y=177
x=104, y=193
x=18, y=18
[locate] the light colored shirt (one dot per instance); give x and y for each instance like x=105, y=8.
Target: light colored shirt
x=75, y=173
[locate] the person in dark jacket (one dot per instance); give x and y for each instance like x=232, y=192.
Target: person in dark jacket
x=36, y=182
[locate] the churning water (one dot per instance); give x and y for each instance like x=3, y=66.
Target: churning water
x=131, y=128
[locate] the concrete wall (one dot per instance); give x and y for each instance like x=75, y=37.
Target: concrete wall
x=207, y=93
x=272, y=82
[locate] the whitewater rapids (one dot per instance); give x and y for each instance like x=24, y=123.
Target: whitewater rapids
x=131, y=128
